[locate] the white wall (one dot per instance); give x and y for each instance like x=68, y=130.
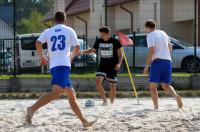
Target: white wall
x=60, y=4
x=96, y=17
x=123, y=18
x=183, y=10
x=146, y=11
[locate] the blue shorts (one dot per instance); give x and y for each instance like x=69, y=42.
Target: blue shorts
x=161, y=71
x=60, y=76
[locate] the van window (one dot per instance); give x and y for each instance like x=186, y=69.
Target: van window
x=140, y=41
x=82, y=45
x=29, y=43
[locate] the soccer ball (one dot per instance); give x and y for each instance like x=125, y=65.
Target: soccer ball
x=89, y=103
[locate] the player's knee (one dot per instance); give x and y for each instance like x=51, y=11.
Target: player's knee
x=153, y=89
x=112, y=85
x=72, y=98
x=57, y=93
x=166, y=87
x=98, y=81
x=70, y=94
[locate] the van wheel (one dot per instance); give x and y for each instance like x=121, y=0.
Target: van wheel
x=188, y=65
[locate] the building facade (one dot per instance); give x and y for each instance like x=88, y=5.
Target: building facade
x=176, y=17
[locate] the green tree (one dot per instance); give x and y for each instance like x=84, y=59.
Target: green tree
x=31, y=13
x=32, y=24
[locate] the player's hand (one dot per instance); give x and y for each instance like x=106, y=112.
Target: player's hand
x=80, y=52
x=43, y=61
x=117, y=67
x=145, y=71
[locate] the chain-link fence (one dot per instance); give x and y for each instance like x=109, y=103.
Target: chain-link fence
x=27, y=19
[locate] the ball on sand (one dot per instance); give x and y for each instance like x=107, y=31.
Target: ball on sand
x=89, y=103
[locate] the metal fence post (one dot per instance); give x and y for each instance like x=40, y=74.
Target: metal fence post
x=3, y=57
x=97, y=58
x=106, y=12
x=14, y=33
x=195, y=35
x=134, y=52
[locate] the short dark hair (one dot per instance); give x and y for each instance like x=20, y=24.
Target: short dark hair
x=60, y=16
x=150, y=24
x=104, y=29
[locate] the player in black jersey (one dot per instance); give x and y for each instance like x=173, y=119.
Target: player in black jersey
x=111, y=59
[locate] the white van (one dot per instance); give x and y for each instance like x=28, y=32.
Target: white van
x=26, y=51
x=27, y=57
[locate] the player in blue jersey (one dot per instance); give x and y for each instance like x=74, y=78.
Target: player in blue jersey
x=59, y=39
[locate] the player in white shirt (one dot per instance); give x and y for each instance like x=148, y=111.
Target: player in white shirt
x=160, y=62
x=59, y=39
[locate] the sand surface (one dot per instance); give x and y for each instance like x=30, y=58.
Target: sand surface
x=124, y=116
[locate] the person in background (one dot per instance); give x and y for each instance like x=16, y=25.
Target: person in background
x=160, y=63
x=111, y=59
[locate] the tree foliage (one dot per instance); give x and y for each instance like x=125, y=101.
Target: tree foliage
x=32, y=24
x=29, y=14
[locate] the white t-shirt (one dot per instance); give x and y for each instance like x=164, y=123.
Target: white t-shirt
x=160, y=41
x=59, y=39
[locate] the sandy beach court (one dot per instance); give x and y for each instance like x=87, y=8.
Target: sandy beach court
x=124, y=116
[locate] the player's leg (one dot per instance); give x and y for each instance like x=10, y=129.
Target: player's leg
x=100, y=88
x=75, y=107
x=154, y=79
x=170, y=90
x=154, y=94
x=112, y=78
x=112, y=92
x=43, y=100
x=166, y=79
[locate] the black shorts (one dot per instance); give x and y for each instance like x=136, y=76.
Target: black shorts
x=110, y=74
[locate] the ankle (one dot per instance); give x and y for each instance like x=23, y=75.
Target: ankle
x=83, y=120
x=156, y=107
x=177, y=96
x=31, y=108
x=105, y=100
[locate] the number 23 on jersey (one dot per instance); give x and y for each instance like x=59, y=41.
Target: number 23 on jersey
x=58, y=42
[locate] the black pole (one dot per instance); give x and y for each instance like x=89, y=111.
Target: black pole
x=131, y=32
x=97, y=58
x=85, y=36
x=86, y=29
x=14, y=34
x=106, y=12
x=3, y=56
x=195, y=35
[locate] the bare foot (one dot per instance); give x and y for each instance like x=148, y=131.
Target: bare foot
x=112, y=101
x=156, y=109
x=105, y=103
x=179, y=101
x=89, y=124
x=29, y=115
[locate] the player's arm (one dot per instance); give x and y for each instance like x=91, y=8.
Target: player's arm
x=170, y=46
x=75, y=52
x=88, y=51
x=43, y=60
x=120, y=58
x=41, y=40
x=149, y=59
